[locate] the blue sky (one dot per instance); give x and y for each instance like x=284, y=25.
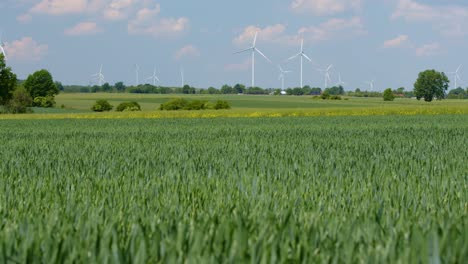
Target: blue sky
x=389, y=41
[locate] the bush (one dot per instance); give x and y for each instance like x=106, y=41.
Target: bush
x=196, y=105
x=221, y=104
x=128, y=106
x=335, y=97
x=174, y=104
x=101, y=106
x=20, y=102
x=44, y=101
x=388, y=95
x=325, y=95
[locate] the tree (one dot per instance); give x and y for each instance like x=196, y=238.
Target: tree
x=7, y=82
x=20, y=102
x=431, y=84
x=59, y=86
x=388, y=95
x=120, y=87
x=101, y=106
x=239, y=88
x=41, y=84
x=106, y=87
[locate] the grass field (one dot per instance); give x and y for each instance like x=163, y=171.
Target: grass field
x=79, y=105
x=374, y=189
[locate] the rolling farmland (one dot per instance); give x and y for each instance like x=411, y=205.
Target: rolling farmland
x=306, y=189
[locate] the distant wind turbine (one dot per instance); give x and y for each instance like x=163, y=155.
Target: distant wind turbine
x=456, y=76
x=154, y=77
x=99, y=76
x=326, y=73
x=340, y=82
x=254, y=49
x=302, y=55
x=282, y=76
x=182, y=76
x=371, y=85
x=137, y=69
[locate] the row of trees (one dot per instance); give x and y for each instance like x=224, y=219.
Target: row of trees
x=38, y=90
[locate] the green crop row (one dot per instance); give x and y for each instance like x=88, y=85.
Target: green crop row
x=377, y=189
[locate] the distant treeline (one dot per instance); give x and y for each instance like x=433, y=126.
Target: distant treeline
x=240, y=89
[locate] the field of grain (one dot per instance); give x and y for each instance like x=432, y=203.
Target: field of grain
x=263, y=190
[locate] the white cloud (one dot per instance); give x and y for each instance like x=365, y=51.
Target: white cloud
x=396, y=42
x=187, y=51
x=446, y=19
x=431, y=49
x=60, y=7
x=147, y=22
x=26, y=49
x=247, y=64
x=325, y=7
x=83, y=28
x=335, y=28
x=272, y=33
x=119, y=9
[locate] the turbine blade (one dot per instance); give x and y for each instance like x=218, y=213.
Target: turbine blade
x=295, y=56
x=329, y=67
x=242, y=51
x=261, y=53
x=255, y=39
x=302, y=46
x=305, y=56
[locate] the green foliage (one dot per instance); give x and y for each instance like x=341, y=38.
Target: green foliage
x=20, y=102
x=184, y=104
x=431, y=84
x=7, y=82
x=392, y=189
x=128, y=106
x=102, y=106
x=388, y=95
x=44, y=101
x=335, y=90
x=458, y=93
x=41, y=84
x=325, y=95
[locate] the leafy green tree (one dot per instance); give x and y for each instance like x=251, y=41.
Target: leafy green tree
x=41, y=84
x=335, y=90
x=226, y=89
x=120, y=87
x=239, y=88
x=388, y=95
x=7, y=82
x=212, y=90
x=106, y=87
x=431, y=84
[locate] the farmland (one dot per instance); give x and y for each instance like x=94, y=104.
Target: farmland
x=371, y=189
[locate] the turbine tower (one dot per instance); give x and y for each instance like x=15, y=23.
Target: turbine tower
x=326, y=73
x=302, y=55
x=282, y=76
x=99, y=76
x=137, y=69
x=254, y=49
x=182, y=77
x=154, y=77
x=456, y=76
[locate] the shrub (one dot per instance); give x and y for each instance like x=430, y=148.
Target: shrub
x=128, y=106
x=388, y=95
x=335, y=97
x=196, y=105
x=221, y=104
x=174, y=104
x=20, y=102
x=101, y=106
x=44, y=101
x=325, y=95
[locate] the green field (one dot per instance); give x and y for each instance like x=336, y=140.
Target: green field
x=374, y=189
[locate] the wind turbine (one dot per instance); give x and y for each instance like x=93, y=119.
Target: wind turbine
x=371, y=85
x=2, y=45
x=302, y=55
x=254, y=50
x=282, y=75
x=326, y=73
x=154, y=77
x=137, y=69
x=99, y=76
x=340, y=82
x=182, y=77
x=456, y=76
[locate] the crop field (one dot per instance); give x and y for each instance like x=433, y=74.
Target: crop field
x=344, y=189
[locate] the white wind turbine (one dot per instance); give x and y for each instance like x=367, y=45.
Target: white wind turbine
x=154, y=77
x=282, y=76
x=456, y=76
x=254, y=50
x=182, y=77
x=99, y=76
x=371, y=85
x=302, y=55
x=340, y=82
x=326, y=73
x=137, y=75
x=2, y=45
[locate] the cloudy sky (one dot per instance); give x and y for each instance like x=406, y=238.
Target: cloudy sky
x=389, y=41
